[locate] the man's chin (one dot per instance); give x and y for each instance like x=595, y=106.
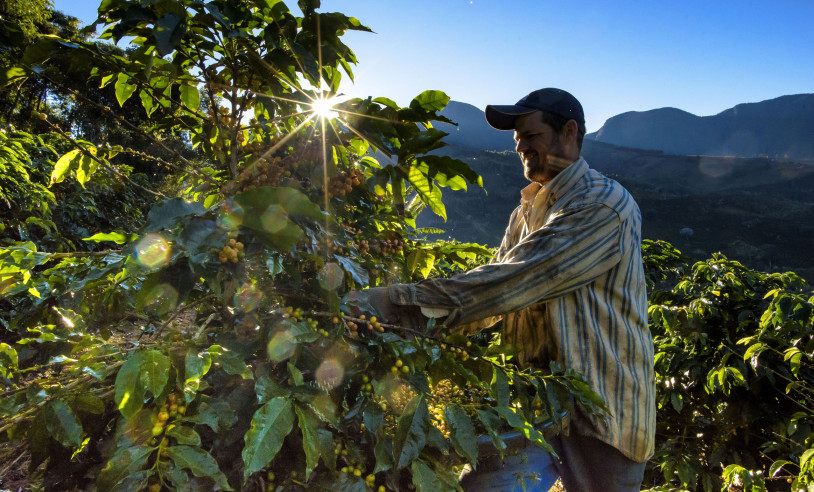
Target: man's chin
x=535, y=175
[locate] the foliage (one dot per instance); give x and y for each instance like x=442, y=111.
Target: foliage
x=734, y=377
x=207, y=348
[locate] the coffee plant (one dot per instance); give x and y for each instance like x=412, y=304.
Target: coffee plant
x=734, y=376
x=205, y=345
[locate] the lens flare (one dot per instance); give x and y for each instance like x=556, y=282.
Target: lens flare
x=274, y=219
x=331, y=276
x=153, y=251
x=281, y=346
x=715, y=167
x=161, y=298
x=248, y=297
x=330, y=374
x=231, y=215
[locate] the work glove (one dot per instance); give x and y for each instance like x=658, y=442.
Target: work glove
x=375, y=301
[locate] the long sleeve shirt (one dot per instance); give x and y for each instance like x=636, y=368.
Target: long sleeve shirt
x=569, y=284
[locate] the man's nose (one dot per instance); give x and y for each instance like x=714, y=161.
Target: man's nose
x=521, y=145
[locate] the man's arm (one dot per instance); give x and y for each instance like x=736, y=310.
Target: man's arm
x=574, y=247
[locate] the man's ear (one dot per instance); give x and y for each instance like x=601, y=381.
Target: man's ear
x=570, y=130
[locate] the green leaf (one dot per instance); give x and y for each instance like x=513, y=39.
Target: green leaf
x=8, y=360
x=62, y=424
x=777, y=466
x=116, y=237
x=525, y=428
x=124, y=89
x=155, y=371
x=124, y=463
x=677, y=400
x=411, y=433
x=168, y=31
x=218, y=415
x=184, y=435
x=267, y=388
x=356, y=271
x=430, y=101
x=201, y=463
x=492, y=423
x=89, y=403
x=147, y=101
x=500, y=387
x=232, y=364
x=424, y=478
x=129, y=395
x=309, y=425
x=373, y=417
x=196, y=365
x=190, y=96
x=422, y=260
x=462, y=433
x=168, y=213
x=429, y=193
x=270, y=425
x=63, y=165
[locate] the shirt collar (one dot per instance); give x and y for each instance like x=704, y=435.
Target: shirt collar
x=558, y=186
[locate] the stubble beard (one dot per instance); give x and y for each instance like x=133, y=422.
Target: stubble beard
x=542, y=169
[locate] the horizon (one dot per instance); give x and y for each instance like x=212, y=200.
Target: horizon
x=695, y=56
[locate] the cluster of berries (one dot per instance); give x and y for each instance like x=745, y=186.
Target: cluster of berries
x=372, y=324
x=355, y=469
x=399, y=368
x=457, y=352
x=444, y=393
x=387, y=246
x=366, y=387
x=264, y=172
x=223, y=111
x=170, y=409
x=231, y=251
x=258, y=148
x=294, y=313
x=437, y=419
x=343, y=182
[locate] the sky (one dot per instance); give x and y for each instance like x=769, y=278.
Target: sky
x=699, y=56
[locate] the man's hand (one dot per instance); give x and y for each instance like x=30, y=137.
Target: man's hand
x=375, y=301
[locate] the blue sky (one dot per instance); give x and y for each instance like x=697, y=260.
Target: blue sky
x=700, y=56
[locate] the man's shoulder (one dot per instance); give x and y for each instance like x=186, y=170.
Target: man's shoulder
x=598, y=188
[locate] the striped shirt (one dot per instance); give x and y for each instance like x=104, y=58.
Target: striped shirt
x=569, y=284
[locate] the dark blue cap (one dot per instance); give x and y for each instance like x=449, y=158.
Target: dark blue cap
x=551, y=100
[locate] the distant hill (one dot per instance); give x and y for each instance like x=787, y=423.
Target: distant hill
x=780, y=127
x=473, y=130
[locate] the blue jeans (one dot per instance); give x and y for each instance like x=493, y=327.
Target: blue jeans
x=587, y=464
x=529, y=469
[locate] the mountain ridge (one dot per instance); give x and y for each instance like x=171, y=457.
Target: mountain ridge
x=778, y=127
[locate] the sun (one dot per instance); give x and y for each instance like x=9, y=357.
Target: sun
x=324, y=107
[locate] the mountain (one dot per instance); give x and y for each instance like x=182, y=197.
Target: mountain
x=780, y=127
x=473, y=130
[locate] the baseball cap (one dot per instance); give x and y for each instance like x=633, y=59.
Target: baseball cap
x=552, y=100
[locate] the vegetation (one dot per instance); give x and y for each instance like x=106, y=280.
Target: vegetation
x=171, y=281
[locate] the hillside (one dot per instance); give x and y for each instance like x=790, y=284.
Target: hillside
x=755, y=210
x=780, y=127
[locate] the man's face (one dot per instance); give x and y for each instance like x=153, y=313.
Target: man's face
x=539, y=148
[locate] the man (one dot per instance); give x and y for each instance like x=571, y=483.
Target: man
x=569, y=284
